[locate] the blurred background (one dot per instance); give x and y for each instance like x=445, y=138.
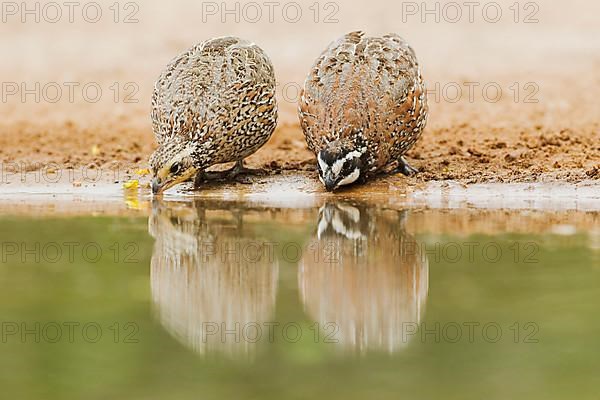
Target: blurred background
x=122, y=47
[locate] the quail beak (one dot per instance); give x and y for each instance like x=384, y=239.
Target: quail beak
x=329, y=182
x=159, y=185
x=156, y=186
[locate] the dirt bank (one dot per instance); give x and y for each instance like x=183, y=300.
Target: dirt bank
x=471, y=151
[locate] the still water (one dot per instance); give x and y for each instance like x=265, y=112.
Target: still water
x=203, y=299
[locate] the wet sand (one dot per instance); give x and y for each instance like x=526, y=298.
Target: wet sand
x=561, y=219
x=297, y=190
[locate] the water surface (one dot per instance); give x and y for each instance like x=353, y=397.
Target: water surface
x=345, y=300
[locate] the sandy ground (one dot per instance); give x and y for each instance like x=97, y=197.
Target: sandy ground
x=545, y=125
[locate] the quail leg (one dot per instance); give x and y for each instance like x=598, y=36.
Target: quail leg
x=405, y=168
x=238, y=172
x=199, y=178
x=239, y=169
x=207, y=176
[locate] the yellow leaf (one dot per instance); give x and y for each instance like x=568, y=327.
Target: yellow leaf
x=143, y=171
x=132, y=184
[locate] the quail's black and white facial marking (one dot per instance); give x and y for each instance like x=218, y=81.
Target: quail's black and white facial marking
x=340, y=165
x=171, y=164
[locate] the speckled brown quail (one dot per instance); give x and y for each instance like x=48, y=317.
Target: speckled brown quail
x=213, y=104
x=363, y=106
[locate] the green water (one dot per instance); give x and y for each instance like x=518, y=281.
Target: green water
x=202, y=300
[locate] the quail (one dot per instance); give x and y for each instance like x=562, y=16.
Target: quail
x=362, y=107
x=213, y=104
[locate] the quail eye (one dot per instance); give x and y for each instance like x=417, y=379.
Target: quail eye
x=175, y=168
x=348, y=168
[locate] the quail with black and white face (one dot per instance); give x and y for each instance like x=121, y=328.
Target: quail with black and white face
x=213, y=104
x=363, y=106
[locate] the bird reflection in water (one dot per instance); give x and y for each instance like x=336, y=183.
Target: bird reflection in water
x=201, y=284
x=374, y=288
